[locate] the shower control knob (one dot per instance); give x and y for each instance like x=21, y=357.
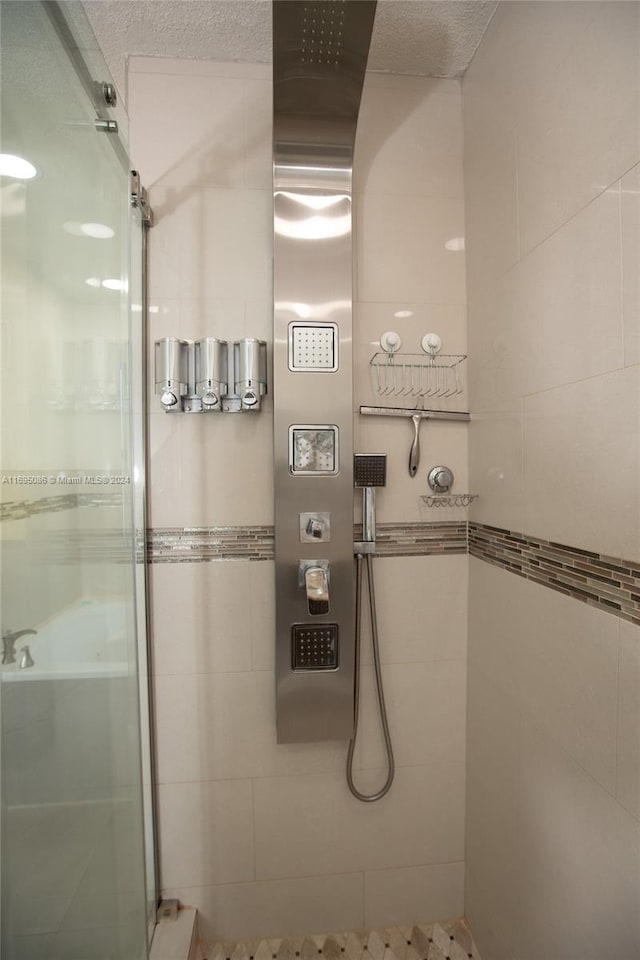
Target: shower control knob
x=440, y=479
x=315, y=528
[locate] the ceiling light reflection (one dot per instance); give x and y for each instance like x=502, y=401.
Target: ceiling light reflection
x=456, y=244
x=97, y=231
x=313, y=228
x=313, y=311
x=314, y=201
x=293, y=220
x=16, y=167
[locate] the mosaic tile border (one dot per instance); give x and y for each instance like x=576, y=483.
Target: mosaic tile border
x=447, y=940
x=419, y=539
x=23, y=509
x=610, y=583
x=197, y=544
x=599, y=580
x=70, y=547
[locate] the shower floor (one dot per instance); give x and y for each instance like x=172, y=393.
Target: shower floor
x=434, y=941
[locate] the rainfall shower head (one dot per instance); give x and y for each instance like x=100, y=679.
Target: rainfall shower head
x=320, y=51
x=369, y=469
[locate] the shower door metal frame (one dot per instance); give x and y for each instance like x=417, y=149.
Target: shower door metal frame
x=55, y=10
x=140, y=203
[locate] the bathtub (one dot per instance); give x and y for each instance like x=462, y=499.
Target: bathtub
x=71, y=772
x=86, y=640
x=66, y=720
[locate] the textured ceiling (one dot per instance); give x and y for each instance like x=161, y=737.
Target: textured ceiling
x=422, y=37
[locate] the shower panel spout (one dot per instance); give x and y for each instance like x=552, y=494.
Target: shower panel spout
x=319, y=59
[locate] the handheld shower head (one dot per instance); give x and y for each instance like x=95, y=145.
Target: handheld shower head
x=369, y=469
x=369, y=472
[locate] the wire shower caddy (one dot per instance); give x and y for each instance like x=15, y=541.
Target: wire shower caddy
x=418, y=375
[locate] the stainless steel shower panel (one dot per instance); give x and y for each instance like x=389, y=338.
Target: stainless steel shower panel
x=320, y=54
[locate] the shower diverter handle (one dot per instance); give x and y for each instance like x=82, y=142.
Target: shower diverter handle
x=314, y=576
x=316, y=583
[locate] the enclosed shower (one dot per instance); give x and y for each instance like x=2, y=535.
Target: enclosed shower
x=428, y=293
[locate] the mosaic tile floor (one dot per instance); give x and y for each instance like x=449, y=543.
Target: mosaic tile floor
x=436, y=941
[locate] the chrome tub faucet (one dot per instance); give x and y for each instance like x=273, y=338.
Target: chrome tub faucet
x=9, y=644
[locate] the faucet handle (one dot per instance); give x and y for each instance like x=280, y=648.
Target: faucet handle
x=9, y=644
x=26, y=660
x=316, y=584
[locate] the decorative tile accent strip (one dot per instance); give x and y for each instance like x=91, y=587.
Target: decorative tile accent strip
x=448, y=940
x=23, y=509
x=68, y=546
x=195, y=544
x=598, y=580
x=418, y=539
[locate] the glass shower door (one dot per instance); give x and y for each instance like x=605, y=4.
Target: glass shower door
x=73, y=870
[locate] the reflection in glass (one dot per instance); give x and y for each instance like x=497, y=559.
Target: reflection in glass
x=73, y=870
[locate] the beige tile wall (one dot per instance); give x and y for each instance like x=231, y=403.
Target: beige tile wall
x=553, y=834
x=551, y=119
x=265, y=838
x=552, y=251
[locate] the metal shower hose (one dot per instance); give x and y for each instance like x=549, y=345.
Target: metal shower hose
x=368, y=798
